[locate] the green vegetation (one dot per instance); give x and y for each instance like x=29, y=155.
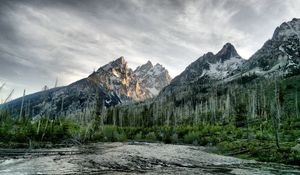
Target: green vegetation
x=259, y=120
x=40, y=133
x=255, y=142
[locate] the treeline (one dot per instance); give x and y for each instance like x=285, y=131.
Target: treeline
x=254, y=101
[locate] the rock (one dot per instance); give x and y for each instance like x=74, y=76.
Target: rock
x=153, y=78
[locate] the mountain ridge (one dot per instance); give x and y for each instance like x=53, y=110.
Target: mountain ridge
x=112, y=84
x=278, y=57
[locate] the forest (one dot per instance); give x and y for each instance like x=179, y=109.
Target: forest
x=256, y=119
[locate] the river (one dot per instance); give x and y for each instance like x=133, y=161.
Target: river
x=132, y=158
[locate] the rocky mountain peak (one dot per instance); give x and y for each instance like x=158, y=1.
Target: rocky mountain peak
x=287, y=29
x=143, y=68
x=149, y=63
x=119, y=64
x=228, y=51
x=145, y=82
x=121, y=60
x=158, y=65
x=280, y=54
x=154, y=78
x=211, y=66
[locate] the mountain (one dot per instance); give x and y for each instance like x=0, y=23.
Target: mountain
x=112, y=84
x=222, y=88
x=118, y=78
x=75, y=98
x=211, y=66
x=208, y=68
x=153, y=78
x=278, y=57
x=280, y=54
x=209, y=76
x=143, y=83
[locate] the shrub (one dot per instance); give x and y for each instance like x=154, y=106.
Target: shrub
x=138, y=136
x=151, y=136
x=108, y=133
x=120, y=136
x=191, y=138
x=174, y=138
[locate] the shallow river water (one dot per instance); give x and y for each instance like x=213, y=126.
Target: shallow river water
x=132, y=158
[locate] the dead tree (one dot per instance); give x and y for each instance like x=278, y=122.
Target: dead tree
x=22, y=104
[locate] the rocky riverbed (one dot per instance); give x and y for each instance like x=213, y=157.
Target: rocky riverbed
x=132, y=158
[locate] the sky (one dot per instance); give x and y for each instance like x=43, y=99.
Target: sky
x=45, y=40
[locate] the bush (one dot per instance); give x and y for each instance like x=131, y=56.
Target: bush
x=138, y=136
x=151, y=136
x=120, y=136
x=174, y=138
x=108, y=133
x=191, y=138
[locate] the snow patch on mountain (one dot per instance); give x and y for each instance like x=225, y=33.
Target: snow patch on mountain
x=221, y=70
x=153, y=78
x=280, y=55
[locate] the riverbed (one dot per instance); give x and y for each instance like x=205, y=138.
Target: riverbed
x=132, y=158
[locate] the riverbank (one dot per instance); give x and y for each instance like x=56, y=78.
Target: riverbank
x=249, y=150
x=137, y=158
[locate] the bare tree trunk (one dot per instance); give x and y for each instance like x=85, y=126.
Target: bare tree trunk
x=253, y=105
x=275, y=124
x=22, y=104
x=56, y=82
x=201, y=112
x=45, y=129
x=227, y=108
x=1, y=87
x=9, y=96
x=206, y=111
x=296, y=104
x=114, y=116
x=39, y=125
x=276, y=115
x=249, y=106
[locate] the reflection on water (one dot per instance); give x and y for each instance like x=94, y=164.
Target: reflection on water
x=125, y=158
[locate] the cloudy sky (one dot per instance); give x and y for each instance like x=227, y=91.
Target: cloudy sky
x=41, y=40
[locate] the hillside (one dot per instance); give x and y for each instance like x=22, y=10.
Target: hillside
x=112, y=84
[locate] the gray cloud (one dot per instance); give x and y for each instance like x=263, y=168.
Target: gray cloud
x=41, y=40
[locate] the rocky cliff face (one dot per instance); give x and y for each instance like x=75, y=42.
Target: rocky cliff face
x=279, y=55
x=143, y=83
x=118, y=78
x=153, y=78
